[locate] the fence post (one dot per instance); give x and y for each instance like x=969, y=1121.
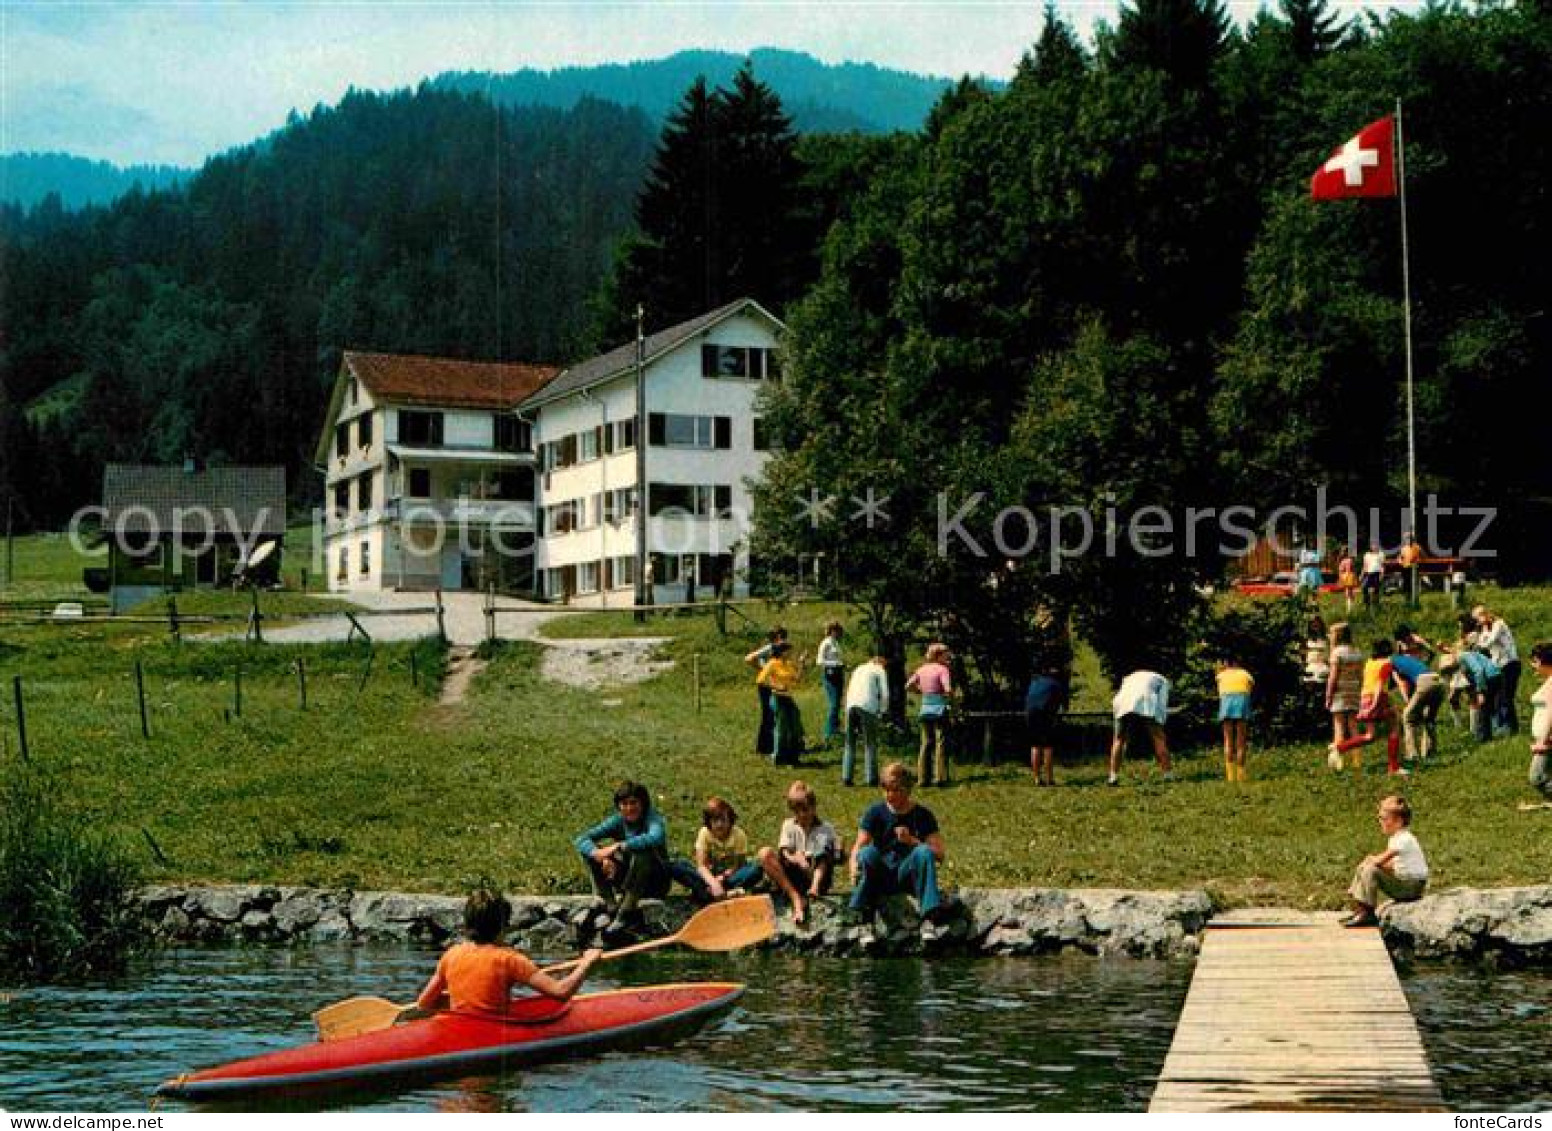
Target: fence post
x=145, y=722
x=366, y=673
x=21, y=716
x=695, y=668
x=237, y=692
x=256, y=619
x=722, y=612
x=490, y=613
x=301, y=680
x=172, y=619
x=441, y=619
x=414, y=669
x=988, y=727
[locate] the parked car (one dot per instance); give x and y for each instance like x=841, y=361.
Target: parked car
x=1283, y=583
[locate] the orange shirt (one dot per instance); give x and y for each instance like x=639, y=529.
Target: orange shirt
x=480, y=977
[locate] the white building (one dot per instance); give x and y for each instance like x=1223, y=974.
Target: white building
x=469, y=474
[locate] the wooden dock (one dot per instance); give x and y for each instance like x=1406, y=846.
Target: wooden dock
x=1290, y=1012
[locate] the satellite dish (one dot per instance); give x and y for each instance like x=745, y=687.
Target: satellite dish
x=262, y=552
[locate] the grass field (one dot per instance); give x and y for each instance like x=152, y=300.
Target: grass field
x=375, y=785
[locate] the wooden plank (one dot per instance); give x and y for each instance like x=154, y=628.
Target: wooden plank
x=1288, y=1011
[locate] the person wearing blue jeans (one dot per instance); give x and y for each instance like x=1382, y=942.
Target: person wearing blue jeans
x=899, y=847
x=832, y=673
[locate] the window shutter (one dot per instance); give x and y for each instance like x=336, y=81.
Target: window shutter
x=436, y=429
x=708, y=360
x=724, y=431
x=657, y=429
x=724, y=501
x=608, y=445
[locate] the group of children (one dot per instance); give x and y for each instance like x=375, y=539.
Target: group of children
x=627, y=858
x=898, y=847
x=861, y=701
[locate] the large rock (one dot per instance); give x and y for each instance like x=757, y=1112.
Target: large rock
x=393, y=916
x=1508, y=925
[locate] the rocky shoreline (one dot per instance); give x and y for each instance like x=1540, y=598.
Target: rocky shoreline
x=989, y=922
x=1508, y=926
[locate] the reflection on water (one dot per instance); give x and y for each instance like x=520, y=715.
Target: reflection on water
x=1488, y=1036
x=1032, y=1034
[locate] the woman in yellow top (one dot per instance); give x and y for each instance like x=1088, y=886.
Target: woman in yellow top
x=780, y=676
x=1234, y=687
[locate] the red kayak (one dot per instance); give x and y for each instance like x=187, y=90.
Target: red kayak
x=453, y=1045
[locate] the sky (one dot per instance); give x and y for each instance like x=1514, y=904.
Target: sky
x=161, y=82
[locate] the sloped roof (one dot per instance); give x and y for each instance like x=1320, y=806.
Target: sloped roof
x=405, y=379
x=590, y=372
x=246, y=501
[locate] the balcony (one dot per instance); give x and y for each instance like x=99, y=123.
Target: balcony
x=473, y=457
x=505, y=514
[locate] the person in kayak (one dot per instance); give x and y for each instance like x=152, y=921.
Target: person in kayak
x=633, y=865
x=476, y=976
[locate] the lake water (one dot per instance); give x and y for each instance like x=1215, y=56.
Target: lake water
x=1014, y=1034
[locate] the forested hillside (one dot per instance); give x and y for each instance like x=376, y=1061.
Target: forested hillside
x=210, y=319
x=26, y=178
x=820, y=97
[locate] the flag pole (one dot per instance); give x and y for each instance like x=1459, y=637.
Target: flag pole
x=1406, y=300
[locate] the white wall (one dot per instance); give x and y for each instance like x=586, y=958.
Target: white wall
x=674, y=385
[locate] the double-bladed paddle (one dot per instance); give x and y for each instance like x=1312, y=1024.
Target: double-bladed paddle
x=729, y=925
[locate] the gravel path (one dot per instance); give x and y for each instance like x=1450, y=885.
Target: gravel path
x=591, y=664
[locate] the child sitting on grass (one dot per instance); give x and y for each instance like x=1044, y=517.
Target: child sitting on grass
x=722, y=863
x=805, y=854
x=1234, y=687
x=477, y=975
x=1400, y=872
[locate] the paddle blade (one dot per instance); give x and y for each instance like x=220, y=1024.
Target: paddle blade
x=354, y=1016
x=731, y=924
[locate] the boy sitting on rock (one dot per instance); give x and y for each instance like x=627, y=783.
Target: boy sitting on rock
x=1400, y=872
x=805, y=853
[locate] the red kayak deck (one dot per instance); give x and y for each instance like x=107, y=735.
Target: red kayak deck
x=450, y=1044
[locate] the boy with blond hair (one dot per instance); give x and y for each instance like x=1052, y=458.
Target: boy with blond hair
x=1399, y=874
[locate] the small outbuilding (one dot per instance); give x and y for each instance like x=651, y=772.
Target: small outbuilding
x=173, y=528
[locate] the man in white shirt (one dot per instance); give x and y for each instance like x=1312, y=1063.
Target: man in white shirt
x=1141, y=707
x=1494, y=638
x=867, y=702
x=1400, y=872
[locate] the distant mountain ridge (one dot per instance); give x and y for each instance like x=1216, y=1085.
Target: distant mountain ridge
x=26, y=178
x=821, y=97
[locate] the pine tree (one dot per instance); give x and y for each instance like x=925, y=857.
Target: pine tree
x=1057, y=56
x=1313, y=30
x=1182, y=39
x=720, y=216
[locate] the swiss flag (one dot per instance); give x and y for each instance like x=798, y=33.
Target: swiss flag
x=1365, y=166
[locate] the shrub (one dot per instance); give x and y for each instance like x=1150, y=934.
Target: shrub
x=65, y=887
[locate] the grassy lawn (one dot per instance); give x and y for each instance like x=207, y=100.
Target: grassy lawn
x=375, y=785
